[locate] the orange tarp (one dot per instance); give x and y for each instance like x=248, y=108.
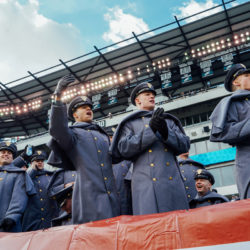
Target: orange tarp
x=212, y=225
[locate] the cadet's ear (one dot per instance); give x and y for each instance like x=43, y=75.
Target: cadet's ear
x=236, y=82
x=75, y=115
x=137, y=101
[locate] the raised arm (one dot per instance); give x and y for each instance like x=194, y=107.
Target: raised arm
x=235, y=130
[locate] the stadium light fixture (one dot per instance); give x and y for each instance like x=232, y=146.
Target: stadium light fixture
x=20, y=108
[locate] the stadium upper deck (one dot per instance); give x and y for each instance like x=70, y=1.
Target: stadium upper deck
x=179, y=60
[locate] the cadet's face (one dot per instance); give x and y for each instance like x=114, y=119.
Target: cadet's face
x=243, y=81
x=6, y=157
x=202, y=186
x=145, y=101
x=83, y=114
x=38, y=163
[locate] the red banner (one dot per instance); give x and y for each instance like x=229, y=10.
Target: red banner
x=212, y=225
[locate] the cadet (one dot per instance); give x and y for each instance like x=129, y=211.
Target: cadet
x=83, y=147
x=15, y=186
x=188, y=169
x=59, y=181
x=41, y=209
x=231, y=123
x=151, y=140
x=205, y=197
x=64, y=200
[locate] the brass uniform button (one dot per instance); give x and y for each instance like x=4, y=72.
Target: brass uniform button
x=42, y=218
x=189, y=195
x=185, y=179
x=95, y=138
x=108, y=192
x=73, y=175
x=5, y=171
x=47, y=175
x=142, y=117
x=181, y=164
x=154, y=179
x=146, y=125
x=40, y=190
x=39, y=181
x=170, y=178
x=102, y=165
x=99, y=151
x=150, y=150
x=152, y=165
x=42, y=199
x=88, y=130
x=42, y=209
x=105, y=178
x=122, y=165
x=187, y=187
x=182, y=171
x=167, y=163
x=166, y=150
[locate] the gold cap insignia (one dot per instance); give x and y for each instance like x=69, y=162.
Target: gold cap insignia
x=199, y=171
x=113, y=129
x=149, y=85
x=39, y=152
x=7, y=143
x=84, y=98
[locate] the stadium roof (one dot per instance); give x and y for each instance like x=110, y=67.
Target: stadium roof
x=174, y=43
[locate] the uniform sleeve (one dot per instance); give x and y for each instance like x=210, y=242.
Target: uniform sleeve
x=58, y=127
x=57, y=185
x=176, y=140
x=235, y=131
x=18, y=200
x=130, y=144
x=19, y=162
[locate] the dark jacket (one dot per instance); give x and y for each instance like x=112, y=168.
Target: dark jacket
x=15, y=188
x=84, y=146
x=157, y=184
x=188, y=168
x=41, y=209
x=211, y=198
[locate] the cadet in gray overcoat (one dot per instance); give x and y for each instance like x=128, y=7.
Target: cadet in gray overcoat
x=151, y=140
x=85, y=148
x=188, y=169
x=205, y=196
x=15, y=187
x=41, y=209
x=231, y=123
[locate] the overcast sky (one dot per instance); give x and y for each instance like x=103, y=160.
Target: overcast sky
x=35, y=34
